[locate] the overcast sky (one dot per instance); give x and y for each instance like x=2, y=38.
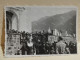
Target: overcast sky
x=35, y=13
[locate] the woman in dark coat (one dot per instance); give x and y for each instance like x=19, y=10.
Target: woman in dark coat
x=30, y=46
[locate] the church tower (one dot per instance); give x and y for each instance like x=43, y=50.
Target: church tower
x=49, y=30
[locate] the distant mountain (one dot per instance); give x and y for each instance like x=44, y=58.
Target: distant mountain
x=63, y=22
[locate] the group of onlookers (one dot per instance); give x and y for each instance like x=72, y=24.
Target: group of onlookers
x=59, y=47
x=38, y=44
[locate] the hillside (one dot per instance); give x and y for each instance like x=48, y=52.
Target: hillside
x=63, y=22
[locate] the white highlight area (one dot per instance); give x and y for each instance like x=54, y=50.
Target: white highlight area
x=14, y=23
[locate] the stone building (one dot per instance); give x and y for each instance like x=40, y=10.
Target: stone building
x=12, y=22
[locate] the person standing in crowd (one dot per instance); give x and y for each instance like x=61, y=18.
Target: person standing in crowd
x=47, y=47
x=67, y=47
x=23, y=48
x=73, y=47
x=37, y=46
x=54, y=45
x=30, y=46
x=60, y=46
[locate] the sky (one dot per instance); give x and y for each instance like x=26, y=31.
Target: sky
x=35, y=13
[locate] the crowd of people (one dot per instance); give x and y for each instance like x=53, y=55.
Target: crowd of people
x=37, y=44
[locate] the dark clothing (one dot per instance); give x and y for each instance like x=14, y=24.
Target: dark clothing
x=23, y=49
x=30, y=49
x=73, y=48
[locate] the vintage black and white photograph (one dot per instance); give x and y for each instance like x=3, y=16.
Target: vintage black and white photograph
x=40, y=30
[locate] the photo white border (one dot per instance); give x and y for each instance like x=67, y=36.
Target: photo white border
x=45, y=55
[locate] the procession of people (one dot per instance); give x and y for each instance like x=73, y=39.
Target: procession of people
x=38, y=44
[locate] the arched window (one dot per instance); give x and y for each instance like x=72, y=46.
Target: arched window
x=11, y=21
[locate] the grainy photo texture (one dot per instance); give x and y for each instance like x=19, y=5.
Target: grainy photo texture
x=40, y=30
